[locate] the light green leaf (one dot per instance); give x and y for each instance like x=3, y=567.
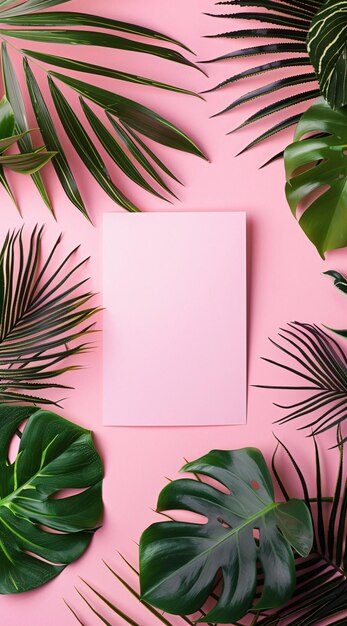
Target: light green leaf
x=54, y=454
x=318, y=164
x=9, y=141
x=7, y=121
x=70, y=18
x=14, y=95
x=114, y=150
x=27, y=163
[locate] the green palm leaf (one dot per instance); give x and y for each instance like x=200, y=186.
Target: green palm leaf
x=29, y=20
x=44, y=318
x=53, y=455
x=320, y=366
x=321, y=578
x=289, y=23
x=25, y=163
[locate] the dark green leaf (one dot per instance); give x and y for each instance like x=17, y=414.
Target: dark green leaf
x=321, y=587
x=24, y=8
x=261, y=69
x=327, y=46
x=94, y=38
x=339, y=280
x=27, y=163
x=90, y=68
x=279, y=106
x=292, y=21
x=114, y=150
x=139, y=117
x=128, y=140
x=53, y=454
x=289, y=81
x=179, y=561
x=269, y=48
x=286, y=123
x=320, y=366
x=86, y=149
x=268, y=18
x=52, y=141
x=263, y=33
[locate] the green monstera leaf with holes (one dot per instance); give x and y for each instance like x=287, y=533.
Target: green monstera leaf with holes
x=53, y=455
x=327, y=46
x=180, y=562
x=316, y=170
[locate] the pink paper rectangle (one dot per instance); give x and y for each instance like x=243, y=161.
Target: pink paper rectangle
x=175, y=318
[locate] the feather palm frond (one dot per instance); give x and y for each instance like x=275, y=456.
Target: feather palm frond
x=33, y=21
x=45, y=317
x=320, y=365
x=285, y=23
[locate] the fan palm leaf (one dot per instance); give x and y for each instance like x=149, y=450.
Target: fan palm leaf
x=321, y=587
x=320, y=365
x=286, y=26
x=32, y=21
x=44, y=318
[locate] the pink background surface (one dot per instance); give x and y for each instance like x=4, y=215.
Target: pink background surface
x=174, y=336
x=285, y=283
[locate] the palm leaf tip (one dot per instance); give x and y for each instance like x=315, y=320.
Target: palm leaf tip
x=43, y=317
x=286, y=27
x=320, y=366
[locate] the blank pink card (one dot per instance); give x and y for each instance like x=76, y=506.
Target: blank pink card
x=175, y=319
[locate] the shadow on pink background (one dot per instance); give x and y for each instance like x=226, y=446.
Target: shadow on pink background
x=285, y=283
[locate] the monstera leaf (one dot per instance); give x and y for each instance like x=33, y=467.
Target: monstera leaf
x=28, y=163
x=327, y=46
x=318, y=165
x=53, y=455
x=180, y=562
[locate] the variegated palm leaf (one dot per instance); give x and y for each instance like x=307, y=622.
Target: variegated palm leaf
x=286, y=24
x=121, y=126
